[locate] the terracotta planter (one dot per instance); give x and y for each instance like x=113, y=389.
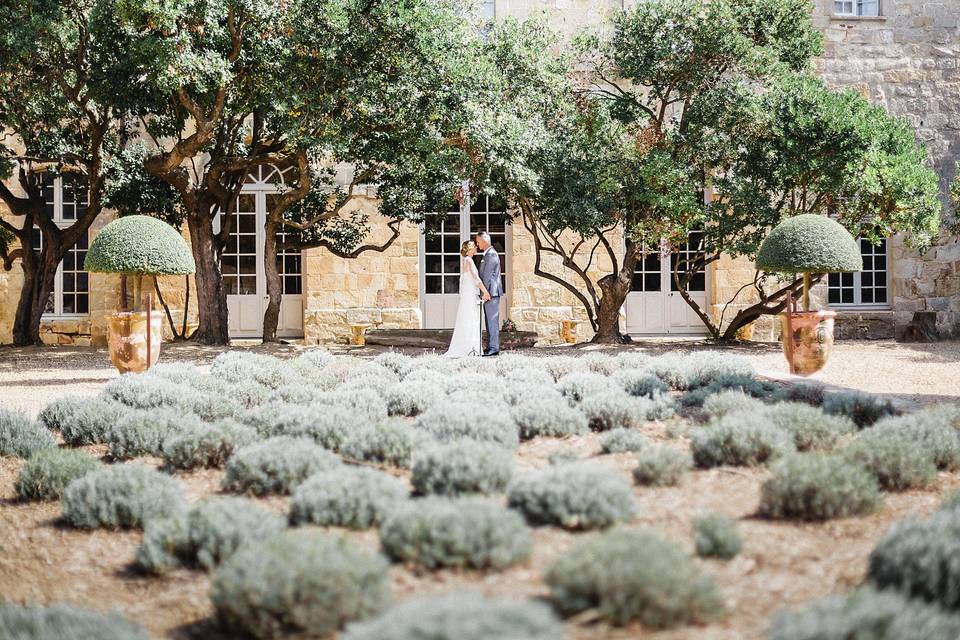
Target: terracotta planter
x=807, y=339
x=127, y=340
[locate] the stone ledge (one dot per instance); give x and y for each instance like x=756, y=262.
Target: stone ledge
x=864, y=324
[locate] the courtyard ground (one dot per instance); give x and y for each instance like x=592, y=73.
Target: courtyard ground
x=783, y=564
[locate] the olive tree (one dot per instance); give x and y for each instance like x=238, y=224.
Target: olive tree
x=696, y=115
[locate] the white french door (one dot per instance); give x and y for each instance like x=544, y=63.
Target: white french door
x=440, y=256
x=654, y=305
x=242, y=263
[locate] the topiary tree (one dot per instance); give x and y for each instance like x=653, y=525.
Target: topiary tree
x=809, y=244
x=138, y=246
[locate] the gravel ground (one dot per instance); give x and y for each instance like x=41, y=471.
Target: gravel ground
x=909, y=374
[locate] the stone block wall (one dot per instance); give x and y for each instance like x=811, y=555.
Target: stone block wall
x=908, y=61
x=379, y=289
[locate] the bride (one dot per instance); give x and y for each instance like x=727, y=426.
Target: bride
x=466, y=331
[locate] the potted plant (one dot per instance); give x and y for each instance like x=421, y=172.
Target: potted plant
x=808, y=244
x=137, y=246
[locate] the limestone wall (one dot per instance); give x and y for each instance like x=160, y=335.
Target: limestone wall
x=908, y=60
x=380, y=289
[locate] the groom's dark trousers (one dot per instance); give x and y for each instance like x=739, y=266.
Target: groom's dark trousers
x=491, y=312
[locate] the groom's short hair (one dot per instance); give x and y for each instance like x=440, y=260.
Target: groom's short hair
x=484, y=235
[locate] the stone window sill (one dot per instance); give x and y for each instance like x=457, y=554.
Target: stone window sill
x=856, y=310
x=839, y=17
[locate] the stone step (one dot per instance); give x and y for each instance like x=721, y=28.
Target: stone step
x=440, y=338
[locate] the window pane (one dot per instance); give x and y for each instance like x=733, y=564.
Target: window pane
x=451, y=244
x=433, y=264
x=652, y=282
x=868, y=7
x=433, y=284
x=451, y=264
x=451, y=284
x=432, y=243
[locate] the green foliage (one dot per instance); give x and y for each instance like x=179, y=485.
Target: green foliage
x=740, y=440
x=580, y=385
x=455, y=420
x=715, y=536
x=695, y=370
x=744, y=382
x=461, y=466
x=810, y=243
x=47, y=473
x=811, y=428
x=661, y=466
x=144, y=391
x=466, y=532
x=390, y=442
x=918, y=558
x=864, y=409
x=540, y=414
x=83, y=420
x=639, y=382
x=461, y=616
x=206, y=446
x=139, y=245
x=869, y=614
x=65, y=622
x=20, y=436
x=276, y=465
x=633, y=575
x=896, y=459
x=207, y=535
x=932, y=429
x=346, y=496
x=573, y=496
x=298, y=581
x=720, y=404
x=143, y=432
x=816, y=486
x=127, y=496
x=622, y=440
x=615, y=410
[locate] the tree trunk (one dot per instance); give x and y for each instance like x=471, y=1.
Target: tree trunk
x=38, y=283
x=614, y=289
x=271, y=316
x=211, y=295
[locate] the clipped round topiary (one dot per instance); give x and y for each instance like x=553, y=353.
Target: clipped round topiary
x=866, y=613
x=547, y=415
x=742, y=439
x=65, y=622
x=898, y=460
x=144, y=391
x=661, y=466
x=638, y=382
x=207, y=445
x=615, y=409
x=715, y=536
x=809, y=243
x=573, y=496
x=47, y=473
x=245, y=366
x=813, y=486
x=622, y=441
x=121, y=496
x=299, y=581
x=728, y=401
x=139, y=245
x=22, y=437
x=409, y=399
x=276, y=465
x=362, y=402
x=462, y=466
x=390, y=442
x=579, y=385
x=932, y=429
x=354, y=497
x=455, y=532
x=919, y=558
x=454, y=421
x=462, y=616
x=747, y=383
x=210, y=533
x=633, y=574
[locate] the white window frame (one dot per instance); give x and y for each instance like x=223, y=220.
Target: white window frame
x=856, y=8
x=858, y=287
x=57, y=293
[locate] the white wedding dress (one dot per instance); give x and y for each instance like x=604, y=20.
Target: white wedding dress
x=466, y=331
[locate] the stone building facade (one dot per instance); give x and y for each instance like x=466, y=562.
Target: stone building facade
x=902, y=54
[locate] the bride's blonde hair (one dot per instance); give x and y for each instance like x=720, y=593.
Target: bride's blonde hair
x=466, y=247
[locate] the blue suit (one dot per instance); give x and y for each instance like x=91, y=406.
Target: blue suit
x=490, y=276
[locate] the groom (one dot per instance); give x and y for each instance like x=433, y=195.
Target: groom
x=490, y=276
